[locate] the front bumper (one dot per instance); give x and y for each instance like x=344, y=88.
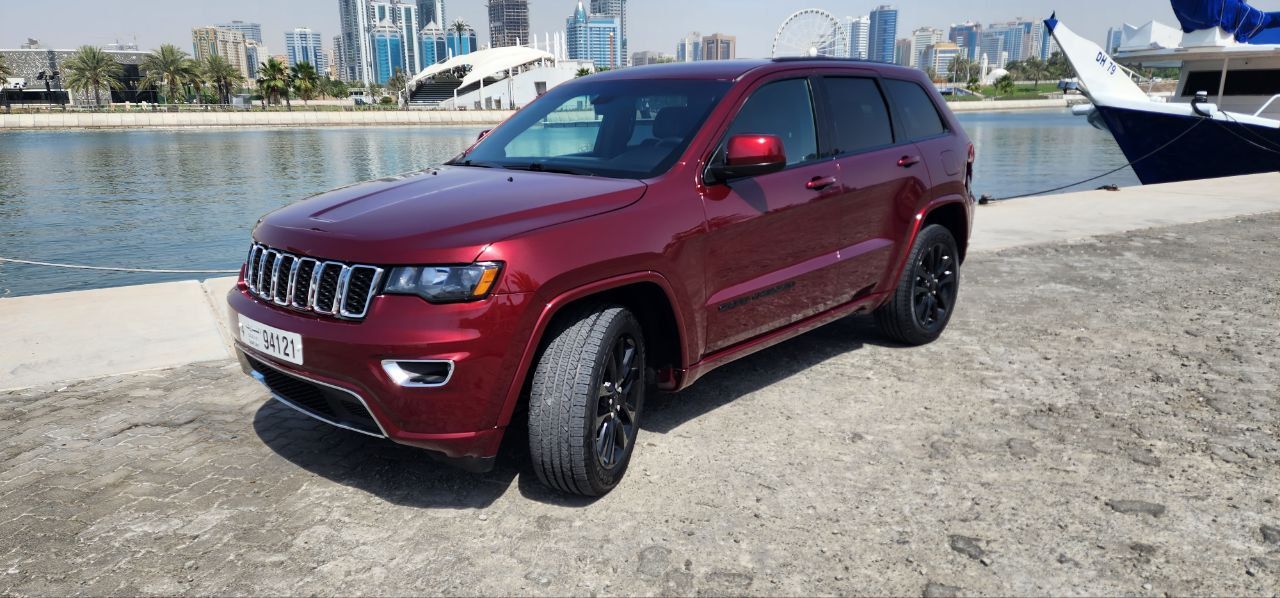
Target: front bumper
x=343, y=364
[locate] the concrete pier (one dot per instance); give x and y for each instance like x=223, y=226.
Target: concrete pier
x=85, y=334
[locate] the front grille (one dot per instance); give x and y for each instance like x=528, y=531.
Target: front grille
x=307, y=284
x=328, y=404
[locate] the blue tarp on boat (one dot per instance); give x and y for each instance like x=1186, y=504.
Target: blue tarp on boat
x=1236, y=17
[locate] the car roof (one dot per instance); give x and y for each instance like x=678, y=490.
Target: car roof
x=735, y=69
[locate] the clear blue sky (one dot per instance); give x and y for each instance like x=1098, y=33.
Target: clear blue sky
x=655, y=24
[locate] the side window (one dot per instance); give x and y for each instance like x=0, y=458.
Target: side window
x=859, y=114
x=916, y=110
x=785, y=109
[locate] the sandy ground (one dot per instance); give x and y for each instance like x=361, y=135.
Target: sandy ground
x=1101, y=418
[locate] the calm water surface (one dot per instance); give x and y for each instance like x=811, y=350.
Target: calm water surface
x=187, y=199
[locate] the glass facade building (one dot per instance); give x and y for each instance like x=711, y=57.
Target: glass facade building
x=388, y=54
x=595, y=38
x=305, y=45
x=882, y=34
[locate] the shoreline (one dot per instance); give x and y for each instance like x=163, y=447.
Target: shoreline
x=61, y=336
x=94, y=121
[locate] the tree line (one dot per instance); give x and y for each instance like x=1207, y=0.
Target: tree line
x=179, y=78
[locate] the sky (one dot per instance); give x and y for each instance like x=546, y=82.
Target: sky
x=655, y=24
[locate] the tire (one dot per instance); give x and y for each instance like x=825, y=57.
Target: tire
x=590, y=376
x=922, y=304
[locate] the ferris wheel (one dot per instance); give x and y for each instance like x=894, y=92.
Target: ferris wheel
x=810, y=32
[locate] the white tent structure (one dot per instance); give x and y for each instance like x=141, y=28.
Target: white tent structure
x=504, y=77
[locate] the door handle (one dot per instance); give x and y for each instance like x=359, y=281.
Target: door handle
x=819, y=183
x=908, y=161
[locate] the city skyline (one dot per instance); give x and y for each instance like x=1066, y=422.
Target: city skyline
x=649, y=27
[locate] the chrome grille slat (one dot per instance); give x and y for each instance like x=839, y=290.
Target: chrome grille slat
x=310, y=284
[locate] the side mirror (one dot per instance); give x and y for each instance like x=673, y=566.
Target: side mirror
x=483, y=134
x=749, y=155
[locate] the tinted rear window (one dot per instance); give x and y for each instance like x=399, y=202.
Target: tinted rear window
x=858, y=109
x=915, y=109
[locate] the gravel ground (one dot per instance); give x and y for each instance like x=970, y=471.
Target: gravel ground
x=1101, y=418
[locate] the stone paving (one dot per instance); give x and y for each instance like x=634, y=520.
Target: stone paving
x=1100, y=419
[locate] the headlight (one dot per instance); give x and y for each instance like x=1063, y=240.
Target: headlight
x=445, y=284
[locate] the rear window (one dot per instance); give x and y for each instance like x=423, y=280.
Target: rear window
x=915, y=109
x=858, y=109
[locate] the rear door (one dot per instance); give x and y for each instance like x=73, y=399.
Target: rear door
x=921, y=121
x=771, y=239
x=882, y=181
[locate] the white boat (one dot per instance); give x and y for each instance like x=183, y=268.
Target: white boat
x=1223, y=120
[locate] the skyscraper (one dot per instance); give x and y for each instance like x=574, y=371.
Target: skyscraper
x=882, y=33
x=719, y=46
x=434, y=43
x=388, y=52
x=251, y=31
x=508, y=23
x=921, y=39
x=356, y=52
x=460, y=38
x=966, y=36
x=305, y=45
x=359, y=19
x=618, y=10
x=212, y=41
x=254, y=54
x=597, y=38
x=902, y=51
x=859, y=30
x=432, y=11
x=338, y=68
x=690, y=48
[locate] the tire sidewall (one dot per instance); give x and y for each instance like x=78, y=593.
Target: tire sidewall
x=904, y=296
x=601, y=478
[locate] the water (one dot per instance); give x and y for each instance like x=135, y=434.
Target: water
x=187, y=199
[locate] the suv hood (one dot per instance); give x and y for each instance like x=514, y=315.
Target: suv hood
x=437, y=216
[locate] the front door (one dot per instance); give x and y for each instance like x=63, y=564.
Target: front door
x=772, y=240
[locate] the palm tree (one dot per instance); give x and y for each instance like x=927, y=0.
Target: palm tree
x=305, y=80
x=222, y=75
x=274, y=81
x=582, y=72
x=168, y=66
x=90, y=68
x=1036, y=70
x=397, y=82
x=960, y=68
x=1005, y=85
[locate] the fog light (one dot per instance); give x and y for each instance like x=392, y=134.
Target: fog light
x=419, y=373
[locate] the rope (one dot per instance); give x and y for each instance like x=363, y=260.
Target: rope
x=1109, y=172
x=110, y=269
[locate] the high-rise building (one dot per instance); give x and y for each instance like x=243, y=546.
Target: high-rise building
x=359, y=20
x=858, y=34
x=902, y=51
x=1114, y=36
x=690, y=48
x=597, y=38
x=254, y=54
x=252, y=31
x=618, y=10
x=432, y=11
x=921, y=39
x=966, y=37
x=434, y=43
x=719, y=46
x=305, y=45
x=938, y=58
x=338, y=67
x=508, y=23
x=388, y=52
x=882, y=33
x=460, y=38
x=1020, y=39
x=212, y=41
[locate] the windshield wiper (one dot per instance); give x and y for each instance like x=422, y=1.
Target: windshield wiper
x=473, y=164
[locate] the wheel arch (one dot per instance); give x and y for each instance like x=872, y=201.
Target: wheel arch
x=952, y=215
x=650, y=298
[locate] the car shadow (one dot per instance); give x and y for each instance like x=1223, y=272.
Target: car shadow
x=408, y=476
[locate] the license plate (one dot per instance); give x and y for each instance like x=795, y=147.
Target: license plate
x=272, y=341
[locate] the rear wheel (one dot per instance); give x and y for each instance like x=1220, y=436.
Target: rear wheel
x=585, y=400
x=925, y=298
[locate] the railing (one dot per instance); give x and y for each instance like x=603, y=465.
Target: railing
x=1267, y=105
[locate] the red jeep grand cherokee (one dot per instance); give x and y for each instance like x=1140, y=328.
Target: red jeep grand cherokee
x=630, y=229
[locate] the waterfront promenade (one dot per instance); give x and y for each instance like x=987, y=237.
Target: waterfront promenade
x=305, y=118
x=1097, y=420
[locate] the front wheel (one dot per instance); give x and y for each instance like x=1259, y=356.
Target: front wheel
x=925, y=298
x=585, y=400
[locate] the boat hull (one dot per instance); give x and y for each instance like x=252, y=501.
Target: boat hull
x=1212, y=149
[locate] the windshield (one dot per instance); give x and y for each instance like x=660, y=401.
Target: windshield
x=614, y=128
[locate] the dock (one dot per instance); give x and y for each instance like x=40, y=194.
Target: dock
x=1099, y=418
